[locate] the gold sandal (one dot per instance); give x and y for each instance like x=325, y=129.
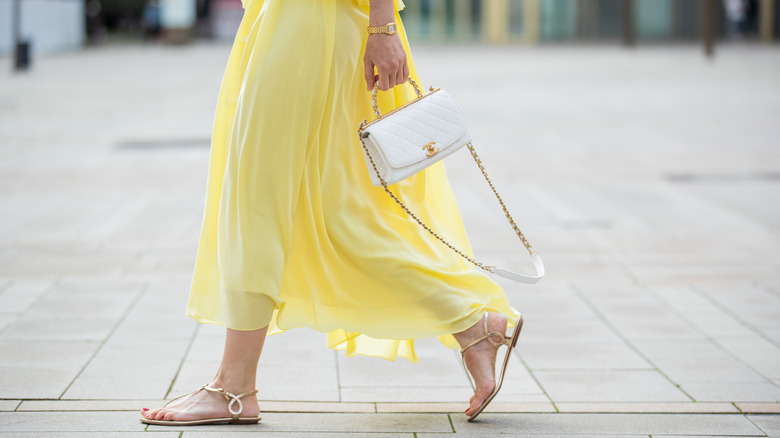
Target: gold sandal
x=502, y=340
x=229, y=397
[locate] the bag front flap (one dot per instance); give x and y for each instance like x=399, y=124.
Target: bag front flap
x=402, y=136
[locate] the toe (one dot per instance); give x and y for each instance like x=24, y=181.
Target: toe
x=474, y=403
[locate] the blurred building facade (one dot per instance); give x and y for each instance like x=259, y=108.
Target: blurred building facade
x=50, y=25
x=535, y=21
x=58, y=25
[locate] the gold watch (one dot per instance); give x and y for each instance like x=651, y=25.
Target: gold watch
x=388, y=28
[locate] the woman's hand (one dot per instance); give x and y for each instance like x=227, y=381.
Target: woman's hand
x=383, y=51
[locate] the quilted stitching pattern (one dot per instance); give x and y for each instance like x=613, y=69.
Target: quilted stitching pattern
x=398, y=139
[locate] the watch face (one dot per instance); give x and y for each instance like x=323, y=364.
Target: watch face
x=391, y=27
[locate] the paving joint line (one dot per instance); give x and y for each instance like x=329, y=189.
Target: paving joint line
x=714, y=301
x=763, y=286
x=535, y=379
x=747, y=417
x=27, y=310
x=194, y=335
x=144, y=289
x=452, y=425
x=584, y=298
x=625, y=268
x=744, y=323
x=699, y=330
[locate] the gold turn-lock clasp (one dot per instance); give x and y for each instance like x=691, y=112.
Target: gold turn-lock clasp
x=430, y=149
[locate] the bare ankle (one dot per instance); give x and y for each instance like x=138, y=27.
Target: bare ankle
x=234, y=383
x=476, y=331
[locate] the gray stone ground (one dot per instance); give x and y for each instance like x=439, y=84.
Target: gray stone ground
x=649, y=180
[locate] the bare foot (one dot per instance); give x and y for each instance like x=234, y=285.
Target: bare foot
x=481, y=358
x=204, y=404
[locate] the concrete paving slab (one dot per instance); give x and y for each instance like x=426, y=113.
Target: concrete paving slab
x=86, y=405
x=337, y=423
x=302, y=347
x=6, y=319
x=60, y=303
x=550, y=329
x=732, y=391
x=91, y=434
x=19, y=296
x=769, y=424
x=582, y=355
x=609, y=385
x=69, y=422
x=298, y=406
x=32, y=327
x=609, y=424
x=759, y=408
x=757, y=352
x=433, y=370
x=137, y=324
x=709, y=436
x=299, y=383
x=27, y=369
x=301, y=435
x=648, y=407
x=9, y=405
x=458, y=408
x=637, y=315
x=771, y=333
x=454, y=394
x=697, y=361
x=148, y=367
x=136, y=405
x=526, y=435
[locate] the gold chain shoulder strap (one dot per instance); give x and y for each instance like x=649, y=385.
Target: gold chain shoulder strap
x=474, y=155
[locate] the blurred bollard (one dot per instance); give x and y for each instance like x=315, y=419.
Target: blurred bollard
x=22, y=55
x=629, y=23
x=708, y=27
x=531, y=21
x=21, y=47
x=496, y=22
x=767, y=23
x=177, y=17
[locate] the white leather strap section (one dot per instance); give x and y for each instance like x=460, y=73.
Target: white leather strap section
x=521, y=278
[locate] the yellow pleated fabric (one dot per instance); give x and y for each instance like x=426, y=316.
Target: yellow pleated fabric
x=294, y=234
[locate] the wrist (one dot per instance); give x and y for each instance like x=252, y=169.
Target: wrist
x=381, y=12
x=385, y=29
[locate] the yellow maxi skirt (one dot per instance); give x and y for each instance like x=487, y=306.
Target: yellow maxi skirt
x=294, y=234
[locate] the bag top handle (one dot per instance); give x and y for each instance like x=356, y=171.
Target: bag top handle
x=374, y=103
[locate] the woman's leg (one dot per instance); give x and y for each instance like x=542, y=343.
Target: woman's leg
x=481, y=358
x=236, y=374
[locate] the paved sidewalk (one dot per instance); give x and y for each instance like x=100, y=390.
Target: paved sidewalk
x=649, y=180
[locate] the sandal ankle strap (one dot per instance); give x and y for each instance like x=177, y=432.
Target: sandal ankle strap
x=231, y=399
x=502, y=340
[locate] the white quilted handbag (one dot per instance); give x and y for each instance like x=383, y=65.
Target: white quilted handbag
x=410, y=138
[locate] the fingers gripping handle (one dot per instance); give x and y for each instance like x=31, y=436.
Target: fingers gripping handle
x=374, y=96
